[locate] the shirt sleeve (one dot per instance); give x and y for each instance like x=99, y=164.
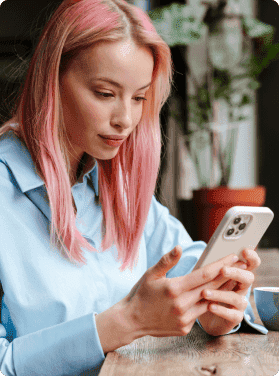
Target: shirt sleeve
x=69, y=348
x=162, y=233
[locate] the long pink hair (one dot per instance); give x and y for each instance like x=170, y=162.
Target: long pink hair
x=127, y=182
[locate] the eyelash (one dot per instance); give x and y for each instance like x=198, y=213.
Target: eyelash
x=110, y=95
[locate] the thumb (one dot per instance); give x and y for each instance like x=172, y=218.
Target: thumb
x=170, y=259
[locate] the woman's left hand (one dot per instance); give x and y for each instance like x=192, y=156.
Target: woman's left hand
x=229, y=300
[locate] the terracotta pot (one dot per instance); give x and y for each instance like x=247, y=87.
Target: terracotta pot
x=211, y=205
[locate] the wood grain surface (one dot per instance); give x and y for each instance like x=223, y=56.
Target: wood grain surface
x=239, y=354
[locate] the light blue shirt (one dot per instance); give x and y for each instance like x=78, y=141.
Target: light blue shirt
x=47, y=317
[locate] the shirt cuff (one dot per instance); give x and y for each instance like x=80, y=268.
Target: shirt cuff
x=68, y=348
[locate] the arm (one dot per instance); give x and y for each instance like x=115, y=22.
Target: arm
x=114, y=328
x=69, y=348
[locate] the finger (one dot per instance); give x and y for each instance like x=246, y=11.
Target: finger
x=229, y=314
x=194, y=312
x=244, y=277
x=226, y=284
x=196, y=296
x=185, y=322
x=181, y=330
x=229, y=285
x=221, y=282
x=253, y=260
x=240, y=264
x=207, y=273
x=228, y=297
x=217, y=283
x=166, y=262
x=186, y=300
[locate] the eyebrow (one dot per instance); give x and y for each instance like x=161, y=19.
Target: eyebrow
x=117, y=84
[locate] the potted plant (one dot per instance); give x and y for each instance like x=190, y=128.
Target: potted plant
x=232, y=77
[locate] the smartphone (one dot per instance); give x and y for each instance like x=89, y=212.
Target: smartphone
x=242, y=227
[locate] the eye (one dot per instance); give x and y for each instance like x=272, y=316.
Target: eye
x=141, y=99
x=107, y=95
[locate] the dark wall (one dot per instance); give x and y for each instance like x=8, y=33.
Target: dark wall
x=178, y=89
x=20, y=22
x=268, y=127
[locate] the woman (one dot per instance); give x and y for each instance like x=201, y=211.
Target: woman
x=100, y=275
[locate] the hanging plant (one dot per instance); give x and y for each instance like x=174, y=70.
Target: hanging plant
x=232, y=76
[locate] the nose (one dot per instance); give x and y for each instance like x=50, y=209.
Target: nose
x=123, y=116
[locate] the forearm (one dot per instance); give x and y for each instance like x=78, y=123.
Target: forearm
x=115, y=327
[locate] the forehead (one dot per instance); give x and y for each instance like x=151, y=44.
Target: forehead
x=118, y=60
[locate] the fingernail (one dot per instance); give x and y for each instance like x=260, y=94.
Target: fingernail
x=213, y=307
x=208, y=293
x=226, y=271
x=243, y=266
x=235, y=258
x=174, y=253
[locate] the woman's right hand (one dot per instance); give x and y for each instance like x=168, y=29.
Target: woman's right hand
x=159, y=306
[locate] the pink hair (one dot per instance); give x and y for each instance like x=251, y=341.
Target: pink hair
x=127, y=182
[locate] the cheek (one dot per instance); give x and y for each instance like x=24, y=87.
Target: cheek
x=138, y=117
x=92, y=108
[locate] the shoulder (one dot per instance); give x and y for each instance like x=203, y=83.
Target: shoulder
x=7, y=152
x=6, y=140
x=156, y=210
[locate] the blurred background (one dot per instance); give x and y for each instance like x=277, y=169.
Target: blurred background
x=214, y=94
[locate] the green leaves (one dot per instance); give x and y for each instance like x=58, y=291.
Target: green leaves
x=178, y=24
x=255, y=28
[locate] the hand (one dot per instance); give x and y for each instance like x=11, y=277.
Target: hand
x=230, y=298
x=160, y=306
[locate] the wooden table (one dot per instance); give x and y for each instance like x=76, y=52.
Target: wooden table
x=198, y=353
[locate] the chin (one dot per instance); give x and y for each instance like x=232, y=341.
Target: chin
x=106, y=156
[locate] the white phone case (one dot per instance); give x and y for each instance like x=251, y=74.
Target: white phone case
x=242, y=227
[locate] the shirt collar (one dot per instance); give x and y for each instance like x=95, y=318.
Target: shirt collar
x=15, y=154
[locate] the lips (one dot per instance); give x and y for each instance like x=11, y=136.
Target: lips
x=113, y=137
x=111, y=142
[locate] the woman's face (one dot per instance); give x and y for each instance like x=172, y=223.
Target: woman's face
x=89, y=114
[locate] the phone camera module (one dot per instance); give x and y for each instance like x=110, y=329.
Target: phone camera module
x=242, y=226
x=230, y=231
x=236, y=221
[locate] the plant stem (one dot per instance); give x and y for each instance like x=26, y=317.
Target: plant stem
x=223, y=168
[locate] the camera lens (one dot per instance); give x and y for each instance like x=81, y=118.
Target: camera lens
x=236, y=221
x=230, y=231
x=242, y=226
